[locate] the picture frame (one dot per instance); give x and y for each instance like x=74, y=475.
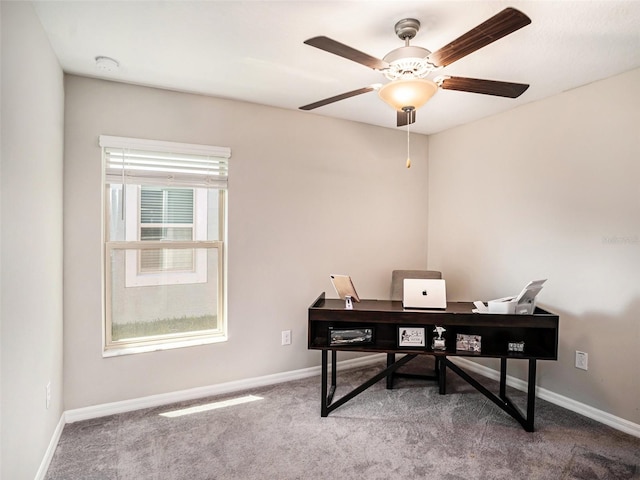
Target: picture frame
x=351, y=336
x=412, y=337
x=468, y=343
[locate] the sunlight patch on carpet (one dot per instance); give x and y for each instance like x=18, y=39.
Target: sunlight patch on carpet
x=211, y=406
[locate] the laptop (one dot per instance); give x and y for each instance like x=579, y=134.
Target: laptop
x=424, y=293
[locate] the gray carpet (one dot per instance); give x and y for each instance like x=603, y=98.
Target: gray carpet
x=410, y=432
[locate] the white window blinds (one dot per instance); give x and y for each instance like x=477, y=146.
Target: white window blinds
x=153, y=162
x=166, y=205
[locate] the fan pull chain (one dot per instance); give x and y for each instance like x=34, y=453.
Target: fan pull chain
x=124, y=187
x=408, y=150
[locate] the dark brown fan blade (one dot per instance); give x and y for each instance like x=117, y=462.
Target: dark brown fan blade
x=342, y=96
x=507, y=21
x=403, y=119
x=337, y=48
x=486, y=87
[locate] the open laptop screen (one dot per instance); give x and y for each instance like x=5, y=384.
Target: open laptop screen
x=424, y=293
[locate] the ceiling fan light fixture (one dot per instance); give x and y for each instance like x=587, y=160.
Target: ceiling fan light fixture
x=404, y=93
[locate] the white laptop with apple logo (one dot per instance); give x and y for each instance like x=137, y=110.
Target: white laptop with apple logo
x=424, y=294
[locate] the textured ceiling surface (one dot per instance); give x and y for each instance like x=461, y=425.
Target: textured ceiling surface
x=253, y=50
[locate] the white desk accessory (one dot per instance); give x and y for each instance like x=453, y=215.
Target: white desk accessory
x=523, y=304
x=345, y=289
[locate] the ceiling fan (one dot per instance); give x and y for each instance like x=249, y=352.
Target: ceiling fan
x=407, y=67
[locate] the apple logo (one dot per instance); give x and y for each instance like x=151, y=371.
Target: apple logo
x=424, y=292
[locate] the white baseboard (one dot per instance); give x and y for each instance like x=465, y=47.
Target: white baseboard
x=96, y=411
x=555, y=398
x=51, y=449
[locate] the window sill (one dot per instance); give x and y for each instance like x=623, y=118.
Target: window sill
x=132, y=350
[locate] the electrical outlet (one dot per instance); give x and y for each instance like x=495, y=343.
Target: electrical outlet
x=582, y=360
x=286, y=337
x=48, y=395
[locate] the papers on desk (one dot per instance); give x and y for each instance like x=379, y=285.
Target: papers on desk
x=523, y=304
x=480, y=307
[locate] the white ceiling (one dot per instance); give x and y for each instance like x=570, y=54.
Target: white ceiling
x=253, y=50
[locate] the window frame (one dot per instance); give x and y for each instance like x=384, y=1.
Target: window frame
x=181, y=339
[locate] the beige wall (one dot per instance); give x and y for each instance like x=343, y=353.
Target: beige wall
x=308, y=196
x=551, y=190
x=31, y=242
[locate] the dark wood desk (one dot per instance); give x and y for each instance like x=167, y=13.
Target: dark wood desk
x=385, y=318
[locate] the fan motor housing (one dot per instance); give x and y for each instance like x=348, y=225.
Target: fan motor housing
x=408, y=62
x=407, y=28
x=406, y=52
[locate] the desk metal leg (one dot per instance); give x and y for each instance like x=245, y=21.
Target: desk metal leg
x=502, y=400
x=327, y=396
x=323, y=387
x=531, y=395
x=503, y=378
x=442, y=374
x=328, y=405
x=528, y=421
x=391, y=358
x=334, y=372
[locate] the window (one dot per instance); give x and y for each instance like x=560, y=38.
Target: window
x=164, y=248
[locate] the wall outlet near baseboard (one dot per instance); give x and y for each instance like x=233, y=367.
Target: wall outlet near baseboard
x=286, y=337
x=582, y=360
